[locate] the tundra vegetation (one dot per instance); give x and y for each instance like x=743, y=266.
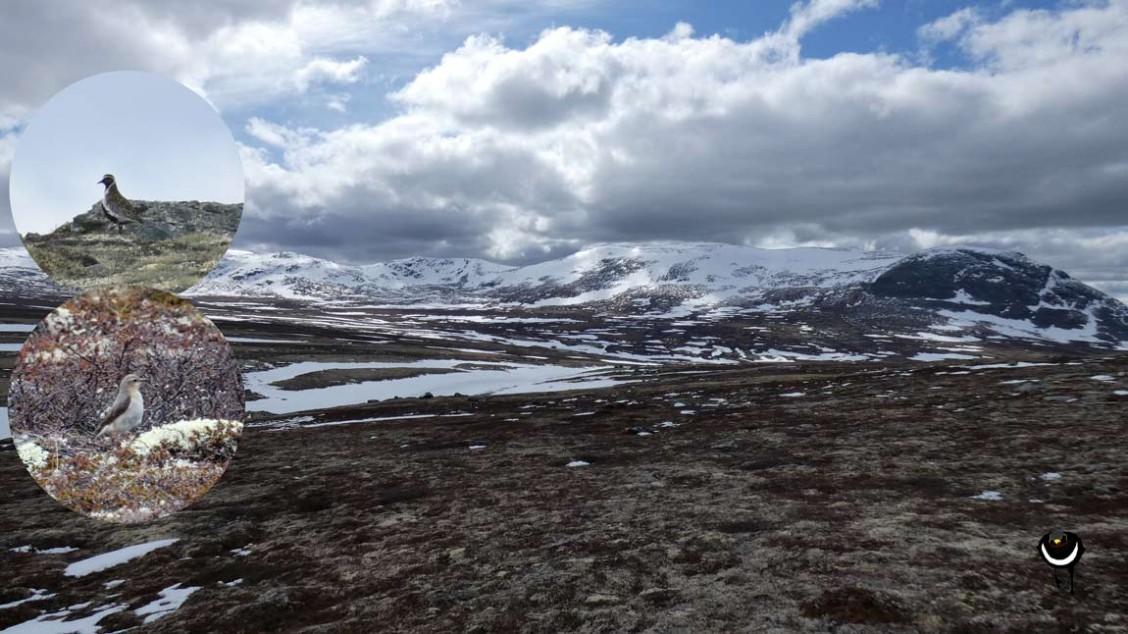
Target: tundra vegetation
x=66, y=377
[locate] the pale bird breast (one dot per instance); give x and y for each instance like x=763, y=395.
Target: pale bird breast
x=136, y=403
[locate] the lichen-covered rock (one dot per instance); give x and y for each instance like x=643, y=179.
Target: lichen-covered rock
x=171, y=246
x=164, y=220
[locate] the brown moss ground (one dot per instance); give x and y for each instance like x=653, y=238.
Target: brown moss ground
x=847, y=510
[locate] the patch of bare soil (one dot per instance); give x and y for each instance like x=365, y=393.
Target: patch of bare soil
x=828, y=497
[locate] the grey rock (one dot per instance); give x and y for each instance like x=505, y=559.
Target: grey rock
x=164, y=220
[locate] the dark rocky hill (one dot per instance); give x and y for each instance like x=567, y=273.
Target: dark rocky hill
x=1009, y=286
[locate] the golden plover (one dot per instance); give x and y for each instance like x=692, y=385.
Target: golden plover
x=115, y=206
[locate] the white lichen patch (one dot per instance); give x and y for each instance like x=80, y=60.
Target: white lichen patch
x=48, y=356
x=32, y=455
x=186, y=435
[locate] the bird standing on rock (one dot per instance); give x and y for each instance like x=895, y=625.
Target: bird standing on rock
x=115, y=206
x=1062, y=549
x=127, y=410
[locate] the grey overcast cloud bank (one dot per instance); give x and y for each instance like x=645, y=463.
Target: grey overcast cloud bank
x=519, y=152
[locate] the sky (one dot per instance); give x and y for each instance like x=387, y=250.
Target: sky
x=523, y=130
x=160, y=140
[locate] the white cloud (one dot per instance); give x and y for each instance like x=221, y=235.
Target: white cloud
x=949, y=27
x=512, y=152
x=237, y=53
x=338, y=102
x=1030, y=39
x=805, y=16
x=520, y=151
x=1038, y=39
x=329, y=71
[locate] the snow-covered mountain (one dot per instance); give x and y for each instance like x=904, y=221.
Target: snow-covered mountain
x=996, y=292
x=707, y=273
x=21, y=277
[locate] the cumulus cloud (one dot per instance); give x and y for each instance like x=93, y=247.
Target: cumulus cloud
x=577, y=138
x=237, y=53
x=808, y=15
x=1038, y=40
x=329, y=71
x=949, y=26
x=521, y=152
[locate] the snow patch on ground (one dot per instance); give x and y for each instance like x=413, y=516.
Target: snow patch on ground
x=170, y=600
x=113, y=558
x=46, y=551
x=1025, y=329
x=55, y=623
x=486, y=378
x=36, y=595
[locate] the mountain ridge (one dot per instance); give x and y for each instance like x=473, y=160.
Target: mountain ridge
x=1003, y=293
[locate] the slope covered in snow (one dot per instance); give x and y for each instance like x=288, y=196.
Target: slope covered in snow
x=21, y=277
x=715, y=272
x=989, y=293
x=996, y=292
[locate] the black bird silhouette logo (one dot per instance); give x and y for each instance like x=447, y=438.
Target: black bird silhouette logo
x=1061, y=549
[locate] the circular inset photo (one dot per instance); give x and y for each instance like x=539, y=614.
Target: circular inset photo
x=126, y=178
x=126, y=404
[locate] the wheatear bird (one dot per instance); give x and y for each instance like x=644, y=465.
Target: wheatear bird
x=115, y=206
x=1061, y=549
x=127, y=410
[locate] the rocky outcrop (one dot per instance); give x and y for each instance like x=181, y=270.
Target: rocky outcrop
x=160, y=220
x=171, y=248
